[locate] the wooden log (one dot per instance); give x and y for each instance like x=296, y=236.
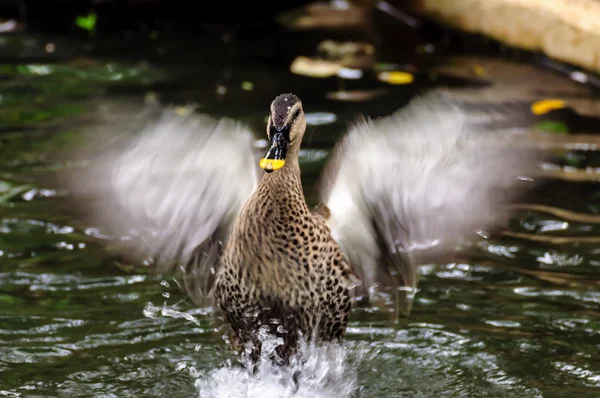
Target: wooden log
x=566, y=30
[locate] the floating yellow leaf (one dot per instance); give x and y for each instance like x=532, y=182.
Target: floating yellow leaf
x=547, y=105
x=396, y=77
x=479, y=70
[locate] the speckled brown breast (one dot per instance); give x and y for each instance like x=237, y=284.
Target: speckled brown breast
x=281, y=270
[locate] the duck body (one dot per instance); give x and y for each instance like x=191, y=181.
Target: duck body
x=398, y=191
x=281, y=271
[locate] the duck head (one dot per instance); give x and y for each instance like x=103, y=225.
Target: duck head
x=285, y=130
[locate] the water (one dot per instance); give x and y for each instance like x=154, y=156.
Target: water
x=518, y=318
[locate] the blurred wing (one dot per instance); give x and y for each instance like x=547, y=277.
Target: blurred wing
x=171, y=182
x=404, y=188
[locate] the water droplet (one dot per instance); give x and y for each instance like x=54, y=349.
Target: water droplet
x=483, y=234
x=150, y=310
x=524, y=178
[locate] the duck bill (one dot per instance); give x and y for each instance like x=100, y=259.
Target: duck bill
x=275, y=156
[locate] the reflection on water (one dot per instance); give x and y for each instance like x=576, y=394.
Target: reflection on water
x=518, y=317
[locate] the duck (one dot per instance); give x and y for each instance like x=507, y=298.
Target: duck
x=281, y=270
x=195, y=195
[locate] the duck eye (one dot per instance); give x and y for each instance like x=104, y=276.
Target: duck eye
x=297, y=114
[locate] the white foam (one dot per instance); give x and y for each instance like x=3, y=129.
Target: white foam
x=324, y=372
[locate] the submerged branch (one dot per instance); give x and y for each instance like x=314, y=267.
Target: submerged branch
x=555, y=240
x=558, y=212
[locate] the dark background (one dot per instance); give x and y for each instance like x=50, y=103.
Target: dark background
x=57, y=16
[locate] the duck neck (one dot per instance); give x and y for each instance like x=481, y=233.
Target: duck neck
x=292, y=159
x=279, y=189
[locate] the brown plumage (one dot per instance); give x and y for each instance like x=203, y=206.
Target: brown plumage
x=397, y=192
x=280, y=267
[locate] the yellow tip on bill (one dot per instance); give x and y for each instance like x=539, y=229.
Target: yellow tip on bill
x=271, y=164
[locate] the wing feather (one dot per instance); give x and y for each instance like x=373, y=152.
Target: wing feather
x=170, y=182
x=404, y=188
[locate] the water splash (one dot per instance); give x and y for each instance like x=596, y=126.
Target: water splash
x=152, y=311
x=317, y=371
x=321, y=371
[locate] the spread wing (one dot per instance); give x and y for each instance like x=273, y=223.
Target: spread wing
x=402, y=189
x=170, y=182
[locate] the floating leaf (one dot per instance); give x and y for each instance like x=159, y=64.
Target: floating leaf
x=354, y=95
x=87, y=22
x=396, y=77
x=552, y=127
x=547, y=105
x=479, y=70
x=247, y=86
x=314, y=67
